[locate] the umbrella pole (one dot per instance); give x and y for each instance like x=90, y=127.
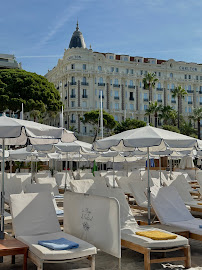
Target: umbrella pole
x=113, y=174
x=79, y=164
x=148, y=189
x=160, y=169
x=2, y=194
x=170, y=168
x=66, y=172
x=31, y=171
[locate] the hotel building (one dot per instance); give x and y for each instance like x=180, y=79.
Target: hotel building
x=9, y=61
x=83, y=75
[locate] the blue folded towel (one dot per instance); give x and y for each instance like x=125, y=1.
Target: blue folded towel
x=200, y=226
x=59, y=196
x=59, y=212
x=58, y=244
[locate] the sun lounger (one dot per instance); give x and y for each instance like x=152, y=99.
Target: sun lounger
x=88, y=185
x=34, y=219
x=171, y=210
x=141, y=244
x=60, y=178
x=138, y=190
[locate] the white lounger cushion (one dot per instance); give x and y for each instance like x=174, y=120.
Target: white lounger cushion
x=81, y=186
x=129, y=234
x=85, y=249
x=33, y=214
x=49, y=180
x=138, y=189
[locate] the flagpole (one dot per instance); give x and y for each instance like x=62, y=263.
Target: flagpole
x=22, y=111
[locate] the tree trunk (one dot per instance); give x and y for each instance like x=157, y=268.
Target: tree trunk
x=178, y=120
x=149, y=118
x=199, y=129
x=156, y=117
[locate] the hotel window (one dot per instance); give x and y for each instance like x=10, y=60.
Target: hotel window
x=190, y=110
x=145, y=107
x=200, y=88
x=171, y=75
x=116, y=93
x=111, y=57
x=189, y=99
x=112, y=69
x=159, y=74
x=141, y=72
x=126, y=83
x=168, y=97
x=100, y=80
x=131, y=107
x=84, y=79
x=116, y=81
x=197, y=77
x=159, y=85
x=168, y=87
x=131, y=71
x=189, y=87
x=127, y=70
x=159, y=97
x=116, y=106
x=99, y=68
x=72, y=104
x=84, y=93
x=131, y=83
x=72, y=66
x=173, y=87
x=189, y=77
x=84, y=130
x=117, y=69
x=111, y=82
x=185, y=76
x=84, y=104
x=73, y=117
x=95, y=80
x=140, y=84
x=73, y=79
x=200, y=99
x=186, y=109
x=125, y=59
x=116, y=118
x=145, y=72
x=200, y=78
x=73, y=93
x=145, y=96
x=84, y=66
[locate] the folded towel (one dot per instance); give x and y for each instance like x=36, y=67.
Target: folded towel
x=58, y=244
x=58, y=196
x=59, y=212
x=157, y=235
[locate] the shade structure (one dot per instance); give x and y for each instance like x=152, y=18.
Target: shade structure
x=75, y=146
x=150, y=138
x=155, y=138
x=17, y=132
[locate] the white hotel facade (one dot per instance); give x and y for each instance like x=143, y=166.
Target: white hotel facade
x=82, y=75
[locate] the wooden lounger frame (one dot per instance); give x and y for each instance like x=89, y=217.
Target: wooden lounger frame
x=39, y=262
x=147, y=254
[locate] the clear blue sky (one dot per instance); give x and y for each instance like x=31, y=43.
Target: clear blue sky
x=37, y=31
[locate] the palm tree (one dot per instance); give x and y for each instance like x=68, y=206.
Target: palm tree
x=154, y=108
x=150, y=81
x=166, y=113
x=196, y=117
x=180, y=93
x=35, y=114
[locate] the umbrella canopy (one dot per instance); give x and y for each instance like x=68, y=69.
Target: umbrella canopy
x=16, y=132
x=75, y=146
x=156, y=138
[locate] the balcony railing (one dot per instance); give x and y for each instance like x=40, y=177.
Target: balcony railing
x=101, y=84
x=159, y=89
x=116, y=85
x=131, y=86
x=100, y=96
x=84, y=83
x=65, y=84
x=116, y=97
x=159, y=100
x=73, y=121
x=190, y=102
x=173, y=101
x=131, y=98
x=84, y=96
x=72, y=83
x=190, y=91
x=72, y=96
x=146, y=99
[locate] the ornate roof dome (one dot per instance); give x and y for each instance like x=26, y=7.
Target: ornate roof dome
x=77, y=39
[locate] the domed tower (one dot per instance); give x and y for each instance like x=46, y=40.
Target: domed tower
x=77, y=39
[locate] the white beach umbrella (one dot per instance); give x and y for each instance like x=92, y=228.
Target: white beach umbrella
x=151, y=138
x=16, y=132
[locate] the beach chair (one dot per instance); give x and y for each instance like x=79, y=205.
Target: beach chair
x=141, y=244
x=138, y=190
x=184, y=191
x=171, y=211
x=87, y=175
x=34, y=219
x=60, y=179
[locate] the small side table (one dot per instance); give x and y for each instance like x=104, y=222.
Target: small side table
x=14, y=247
